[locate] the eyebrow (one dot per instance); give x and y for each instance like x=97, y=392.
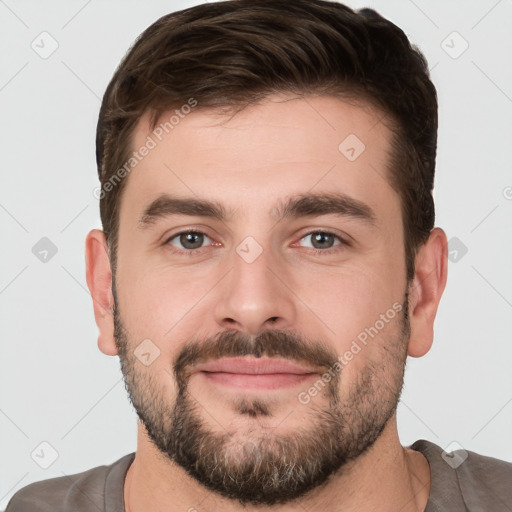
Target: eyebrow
x=303, y=205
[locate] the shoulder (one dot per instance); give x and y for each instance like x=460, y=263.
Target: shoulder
x=77, y=492
x=483, y=478
x=461, y=476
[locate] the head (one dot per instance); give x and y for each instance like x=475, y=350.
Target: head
x=192, y=59
x=235, y=141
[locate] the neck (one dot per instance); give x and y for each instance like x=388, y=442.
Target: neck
x=388, y=477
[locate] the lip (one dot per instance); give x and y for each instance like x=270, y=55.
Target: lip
x=253, y=366
x=254, y=373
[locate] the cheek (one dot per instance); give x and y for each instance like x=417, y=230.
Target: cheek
x=355, y=296
x=158, y=303
x=361, y=306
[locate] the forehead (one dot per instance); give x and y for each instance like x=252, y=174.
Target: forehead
x=264, y=153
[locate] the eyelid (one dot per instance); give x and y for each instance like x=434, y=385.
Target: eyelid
x=343, y=237
x=172, y=233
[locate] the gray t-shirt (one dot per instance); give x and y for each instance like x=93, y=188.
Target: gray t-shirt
x=477, y=484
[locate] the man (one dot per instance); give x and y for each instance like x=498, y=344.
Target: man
x=268, y=260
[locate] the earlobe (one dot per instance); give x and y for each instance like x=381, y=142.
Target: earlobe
x=99, y=282
x=431, y=268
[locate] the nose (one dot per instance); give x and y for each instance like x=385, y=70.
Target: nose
x=255, y=295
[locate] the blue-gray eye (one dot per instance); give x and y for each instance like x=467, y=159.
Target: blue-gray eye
x=189, y=240
x=321, y=240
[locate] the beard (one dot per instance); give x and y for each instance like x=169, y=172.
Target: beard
x=261, y=467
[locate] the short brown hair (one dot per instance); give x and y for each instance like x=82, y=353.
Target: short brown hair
x=231, y=54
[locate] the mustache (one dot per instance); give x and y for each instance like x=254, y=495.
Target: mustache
x=271, y=343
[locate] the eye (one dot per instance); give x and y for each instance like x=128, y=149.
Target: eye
x=322, y=240
x=193, y=241
x=188, y=240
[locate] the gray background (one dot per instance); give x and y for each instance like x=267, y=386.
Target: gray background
x=57, y=387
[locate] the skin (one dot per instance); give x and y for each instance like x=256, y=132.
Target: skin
x=266, y=153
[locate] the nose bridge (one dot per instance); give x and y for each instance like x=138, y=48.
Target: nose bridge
x=252, y=294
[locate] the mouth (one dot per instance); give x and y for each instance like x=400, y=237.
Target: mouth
x=254, y=373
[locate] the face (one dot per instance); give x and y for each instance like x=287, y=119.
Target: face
x=268, y=237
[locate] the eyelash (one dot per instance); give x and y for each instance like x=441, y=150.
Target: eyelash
x=195, y=252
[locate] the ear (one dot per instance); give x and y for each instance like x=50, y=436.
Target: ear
x=431, y=268
x=99, y=281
